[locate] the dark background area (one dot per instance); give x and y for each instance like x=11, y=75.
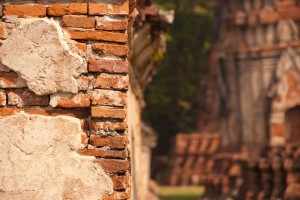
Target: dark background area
x=173, y=96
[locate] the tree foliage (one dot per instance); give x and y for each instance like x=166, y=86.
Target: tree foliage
x=173, y=96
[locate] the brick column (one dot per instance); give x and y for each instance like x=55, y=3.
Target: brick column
x=97, y=34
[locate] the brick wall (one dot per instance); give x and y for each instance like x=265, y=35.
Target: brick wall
x=98, y=34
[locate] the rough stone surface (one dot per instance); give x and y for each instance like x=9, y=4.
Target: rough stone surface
x=49, y=65
x=3, y=68
x=38, y=160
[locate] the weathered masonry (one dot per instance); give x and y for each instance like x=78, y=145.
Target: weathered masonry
x=256, y=63
x=63, y=115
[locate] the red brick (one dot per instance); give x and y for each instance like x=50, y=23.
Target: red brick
x=98, y=35
x=116, y=142
x=95, y=126
x=25, y=10
x=116, y=196
x=109, y=81
x=111, y=49
x=58, y=9
x=252, y=18
x=78, y=21
x=83, y=83
x=2, y=98
x=77, y=8
x=103, y=153
x=11, y=80
x=4, y=112
x=108, y=97
x=108, y=66
x=81, y=47
x=103, y=23
x=120, y=182
x=239, y=17
x=22, y=97
x=113, y=165
x=108, y=112
x=267, y=16
x=84, y=138
x=74, y=8
x=70, y=101
x=1, y=31
x=119, y=8
x=81, y=114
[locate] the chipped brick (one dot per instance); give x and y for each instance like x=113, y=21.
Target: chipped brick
x=108, y=66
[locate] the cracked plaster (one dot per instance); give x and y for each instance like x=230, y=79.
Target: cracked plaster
x=38, y=160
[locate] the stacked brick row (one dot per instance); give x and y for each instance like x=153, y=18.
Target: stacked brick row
x=99, y=30
x=190, y=158
x=255, y=23
x=274, y=175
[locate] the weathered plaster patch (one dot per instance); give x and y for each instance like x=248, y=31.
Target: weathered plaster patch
x=38, y=160
x=37, y=51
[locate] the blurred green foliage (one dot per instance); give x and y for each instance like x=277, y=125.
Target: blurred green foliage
x=180, y=193
x=173, y=95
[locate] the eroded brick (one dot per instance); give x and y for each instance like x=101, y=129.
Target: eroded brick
x=108, y=66
x=96, y=127
x=98, y=35
x=113, y=165
x=22, y=97
x=1, y=30
x=109, y=81
x=120, y=182
x=103, y=153
x=116, y=196
x=78, y=8
x=25, y=10
x=70, y=101
x=11, y=80
x=58, y=9
x=78, y=21
x=78, y=113
x=73, y=8
x=108, y=97
x=4, y=112
x=110, y=49
x=81, y=47
x=119, y=8
x=108, y=112
x=83, y=82
x=115, y=142
x=2, y=98
x=111, y=24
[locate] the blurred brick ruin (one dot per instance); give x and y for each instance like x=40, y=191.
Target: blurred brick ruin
x=247, y=145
